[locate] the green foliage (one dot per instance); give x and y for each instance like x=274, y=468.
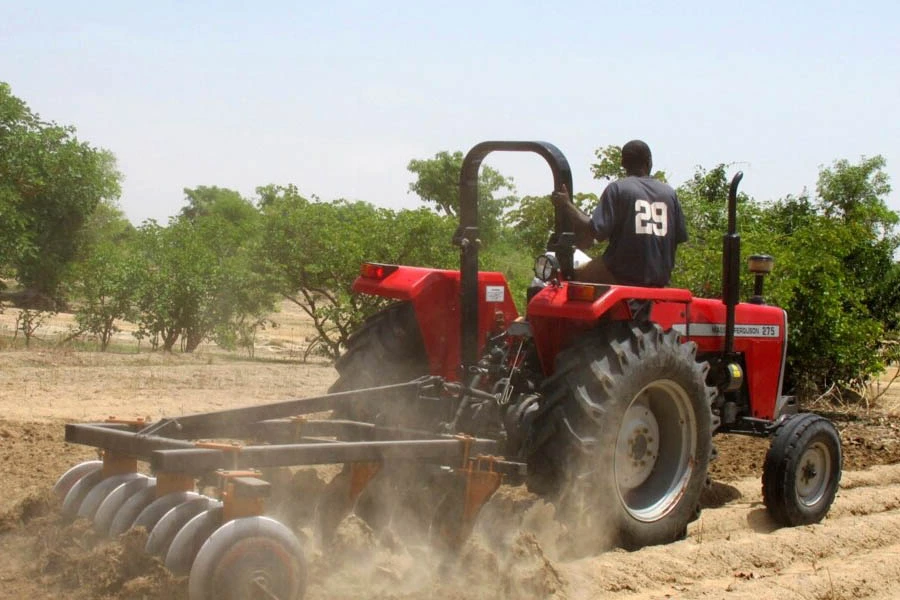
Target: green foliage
x=107, y=223
x=28, y=321
x=834, y=269
x=609, y=165
x=854, y=194
x=530, y=221
x=50, y=182
x=212, y=201
x=312, y=252
x=106, y=282
x=177, y=284
x=200, y=280
x=213, y=272
x=437, y=184
x=703, y=198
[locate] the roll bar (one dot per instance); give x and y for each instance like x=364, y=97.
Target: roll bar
x=467, y=234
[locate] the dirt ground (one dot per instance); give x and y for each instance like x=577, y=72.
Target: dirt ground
x=732, y=551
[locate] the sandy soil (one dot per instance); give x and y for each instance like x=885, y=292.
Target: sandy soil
x=732, y=551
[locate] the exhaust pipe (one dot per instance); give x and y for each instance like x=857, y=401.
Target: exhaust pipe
x=731, y=266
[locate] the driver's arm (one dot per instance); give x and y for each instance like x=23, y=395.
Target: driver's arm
x=581, y=223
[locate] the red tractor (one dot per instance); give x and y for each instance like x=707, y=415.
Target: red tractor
x=610, y=394
x=602, y=398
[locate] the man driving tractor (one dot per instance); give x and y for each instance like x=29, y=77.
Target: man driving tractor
x=642, y=219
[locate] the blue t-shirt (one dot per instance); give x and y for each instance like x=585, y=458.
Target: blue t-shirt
x=642, y=219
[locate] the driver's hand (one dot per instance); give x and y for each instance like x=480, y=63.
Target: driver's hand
x=560, y=198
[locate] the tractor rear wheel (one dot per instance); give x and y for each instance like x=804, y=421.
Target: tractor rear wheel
x=387, y=349
x=802, y=470
x=628, y=436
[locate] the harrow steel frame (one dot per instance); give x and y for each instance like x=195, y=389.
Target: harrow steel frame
x=287, y=437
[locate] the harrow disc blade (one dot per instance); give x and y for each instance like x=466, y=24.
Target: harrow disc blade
x=69, y=478
x=110, y=506
x=131, y=508
x=154, y=511
x=173, y=521
x=249, y=558
x=99, y=492
x=188, y=541
x=78, y=492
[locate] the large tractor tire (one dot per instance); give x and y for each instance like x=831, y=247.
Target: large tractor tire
x=802, y=470
x=387, y=349
x=627, y=434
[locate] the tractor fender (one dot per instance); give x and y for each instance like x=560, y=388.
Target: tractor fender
x=557, y=317
x=435, y=297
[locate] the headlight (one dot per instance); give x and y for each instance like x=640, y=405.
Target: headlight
x=760, y=264
x=546, y=267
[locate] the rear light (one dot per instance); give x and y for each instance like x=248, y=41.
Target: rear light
x=585, y=292
x=376, y=270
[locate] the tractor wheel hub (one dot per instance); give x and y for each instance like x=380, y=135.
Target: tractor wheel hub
x=638, y=446
x=812, y=475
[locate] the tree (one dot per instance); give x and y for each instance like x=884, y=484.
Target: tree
x=437, y=184
x=106, y=284
x=854, y=194
x=848, y=300
x=312, y=252
x=609, y=165
x=104, y=275
x=834, y=269
x=704, y=202
x=107, y=223
x=531, y=220
x=15, y=120
x=208, y=201
x=50, y=182
x=199, y=280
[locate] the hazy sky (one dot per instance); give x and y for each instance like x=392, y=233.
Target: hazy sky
x=337, y=97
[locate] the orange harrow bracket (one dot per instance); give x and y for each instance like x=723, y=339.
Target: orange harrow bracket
x=243, y=494
x=231, y=449
x=117, y=464
x=360, y=476
x=166, y=483
x=466, y=441
x=342, y=492
x=480, y=482
x=136, y=423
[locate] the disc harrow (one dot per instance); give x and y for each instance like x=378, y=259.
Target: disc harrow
x=204, y=507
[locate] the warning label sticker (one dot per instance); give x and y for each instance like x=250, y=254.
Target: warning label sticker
x=494, y=293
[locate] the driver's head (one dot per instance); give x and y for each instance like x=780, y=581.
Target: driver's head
x=636, y=158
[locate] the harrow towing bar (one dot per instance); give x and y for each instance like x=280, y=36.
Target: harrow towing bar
x=178, y=456
x=237, y=422
x=170, y=445
x=201, y=460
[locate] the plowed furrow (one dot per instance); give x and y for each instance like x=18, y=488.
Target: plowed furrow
x=748, y=516
x=845, y=545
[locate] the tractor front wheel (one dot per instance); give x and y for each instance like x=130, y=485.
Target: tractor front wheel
x=802, y=470
x=628, y=436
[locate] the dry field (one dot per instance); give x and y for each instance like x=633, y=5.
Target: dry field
x=732, y=551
